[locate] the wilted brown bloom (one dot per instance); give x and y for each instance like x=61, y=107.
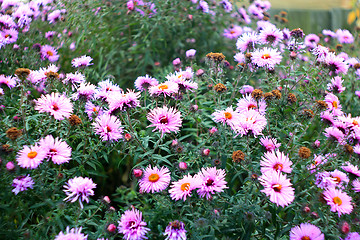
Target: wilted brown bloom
x=6, y=148
x=276, y=17
x=297, y=33
x=276, y=93
x=238, y=156
x=308, y=113
x=248, y=56
x=257, y=94
x=357, y=66
x=283, y=13
x=220, y=88
x=268, y=96
x=349, y=149
x=74, y=120
x=304, y=152
x=216, y=57
x=292, y=98
x=22, y=73
x=284, y=20
x=339, y=47
x=52, y=75
x=13, y=133
x=321, y=104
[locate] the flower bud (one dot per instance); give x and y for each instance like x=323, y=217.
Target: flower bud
x=213, y=130
x=127, y=136
x=182, y=165
x=107, y=199
x=111, y=228
x=206, y=152
x=137, y=172
x=10, y=166
x=345, y=228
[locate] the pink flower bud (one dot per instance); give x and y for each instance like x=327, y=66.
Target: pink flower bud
x=137, y=172
x=107, y=199
x=307, y=209
x=194, y=108
x=112, y=209
x=127, y=136
x=176, y=62
x=16, y=118
x=182, y=165
x=317, y=143
x=206, y=152
x=174, y=143
x=190, y=17
x=345, y=228
x=10, y=166
x=213, y=130
x=130, y=5
x=111, y=228
x=199, y=72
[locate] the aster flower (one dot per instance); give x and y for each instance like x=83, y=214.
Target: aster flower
x=211, y=181
x=226, y=5
x=270, y=144
x=190, y=54
x=318, y=160
x=233, y=32
x=182, y=78
x=239, y=57
x=84, y=91
x=108, y=127
x=31, y=157
x=57, y=150
x=22, y=183
x=327, y=117
x=79, y=188
x=333, y=104
x=356, y=185
x=245, y=89
x=49, y=52
x=183, y=188
x=106, y=88
x=251, y=122
x=344, y=36
x=57, y=105
x=9, y=36
x=83, y=61
x=277, y=187
x=336, y=85
x=74, y=78
x=227, y=116
x=9, y=81
x=175, y=231
x=246, y=103
x=266, y=57
x=306, y=231
x=311, y=40
x=324, y=180
x=335, y=134
x=55, y=15
x=165, y=120
x=339, y=178
x=132, y=225
x=351, y=169
x=270, y=35
x=339, y=201
x=92, y=110
x=336, y=64
x=247, y=41
x=144, y=82
x=275, y=161
x=155, y=180
x=244, y=16
x=320, y=52
x=167, y=88
x=352, y=236
x=203, y=6
x=73, y=234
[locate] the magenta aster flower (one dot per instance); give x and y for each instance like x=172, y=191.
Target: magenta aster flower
x=275, y=161
x=175, y=231
x=165, y=120
x=132, y=225
x=334, y=134
x=31, y=157
x=9, y=36
x=73, y=234
x=74, y=78
x=144, y=82
x=336, y=85
x=212, y=181
x=85, y=91
x=83, y=61
x=79, y=188
x=311, y=40
x=57, y=105
x=246, y=103
x=356, y=185
x=339, y=201
x=106, y=88
x=270, y=144
x=277, y=187
x=351, y=169
x=233, y=32
x=92, y=110
x=344, y=36
x=9, y=81
x=306, y=231
x=324, y=180
x=266, y=57
x=183, y=188
x=336, y=64
x=57, y=150
x=251, y=122
x=352, y=236
x=247, y=41
x=154, y=179
x=108, y=127
x=182, y=78
x=167, y=88
x=227, y=116
x=339, y=178
x=270, y=35
x=50, y=53
x=22, y=183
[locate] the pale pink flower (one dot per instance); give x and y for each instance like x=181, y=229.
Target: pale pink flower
x=339, y=201
x=167, y=88
x=356, y=185
x=212, y=181
x=82, y=61
x=306, y=231
x=246, y=103
x=31, y=157
x=183, y=188
x=79, y=188
x=73, y=234
x=57, y=105
x=266, y=57
x=155, y=180
x=227, y=116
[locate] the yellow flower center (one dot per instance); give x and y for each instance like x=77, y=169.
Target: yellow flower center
x=355, y=123
x=228, y=115
x=163, y=86
x=337, y=201
x=94, y=110
x=278, y=166
x=154, y=177
x=32, y=154
x=334, y=104
x=50, y=53
x=266, y=56
x=185, y=187
x=277, y=187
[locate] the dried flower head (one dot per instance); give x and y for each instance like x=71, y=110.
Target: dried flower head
x=74, y=120
x=276, y=93
x=308, y=113
x=13, y=133
x=257, y=94
x=216, y=57
x=6, y=148
x=220, y=88
x=349, y=149
x=357, y=66
x=297, y=33
x=304, y=152
x=52, y=75
x=292, y=98
x=321, y=104
x=238, y=156
x=22, y=73
x=268, y=96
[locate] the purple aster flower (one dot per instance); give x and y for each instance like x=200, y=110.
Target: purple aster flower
x=245, y=89
x=92, y=110
x=132, y=225
x=106, y=88
x=226, y=5
x=108, y=127
x=22, y=183
x=233, y=32
x=74, y=78
x=84, y=92
x=244, y=16
x=165, y=120
x=203, y=6
x=344, y=36
x=247, y=41
x=81, y=62
x=79, y=188
x=270, y=35
x=73, y=234
x=352, y=236
x=336, y=64
x=306, y=231
x=50, y=53
x=175, y=231
x=9, y=36
x=57, y=150
x=142, y=83
x=311, y=40
x=212, y=181
x=55, y=15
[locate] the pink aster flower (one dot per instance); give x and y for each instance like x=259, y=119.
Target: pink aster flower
x=57, y=150
x=251, y=122
x=92, y=110
x=31, y=157
x=85, y=91
x=183, y=188
x=334, y=134
x=351, y=169
x=183, y=79
x=79, y=188
x=22, y=183
x=57, y=105
x=49, y=52
x=344, y=36
x=246, y=103
x=9, y=81
x=55, y=15
x=311, y=40
x=275, y=161
x=324, y=180
x=142, y=83
x=106, y=88
x=165, y=120
x=175, y=231
x=277, y=187
x=339, y=201
x=167, y=88
x=244, y=16
x=318, y=160
x=336, y=64
x=108, y=127
x=336, y=85
x=339, y=178
x=270, y=144
x=228, y=116
x=9, y=36
x=190, y=54
x=212, y=181
x=154, y=179
x=266, y=57
x=239, y=57
x=233, y=32
x=333, y=104
x=247, y=41
x=306, y=231
x=245, y=89
x=356, y=185
x=132, y=225
x=81, y=62
x=270, y=35
x=73, y=234
x=74, y=78
x=327, y=117
x=352, y=236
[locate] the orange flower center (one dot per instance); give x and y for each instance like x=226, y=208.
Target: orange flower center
x=154, y=177
x=53, y=150
x=337, y=179
x=94, y=110
x=266, y=56
x=228, y=115
x=50, y=53
x=32, y=154
x=334, y=104
x=251, y=106
x=163, y=86
x=55, y=107
x=7, y=35
x=305, y=238
x=355, y=123
x=277, y=187
x=185, y=187
x=278, y=166
x=232, y=31
x=337, y=201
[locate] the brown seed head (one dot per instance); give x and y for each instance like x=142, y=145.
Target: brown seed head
x=284, y=20
x=283, y=13
x=238, y=156
x=13, y=133
x=52, y=75
x=357, y=66
x=297, y=33
x=268, y=96
x=304, y=152
x=74, y=120
x=220, y=88
x=276, y=17
x=257, y=94
x=321, y=104
x=339, y=47
x=22, y=73
x=216, y=57
x=292, y=98
x=349, y=149
x=276, y=93
x=308, y=113
x=6, y=148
